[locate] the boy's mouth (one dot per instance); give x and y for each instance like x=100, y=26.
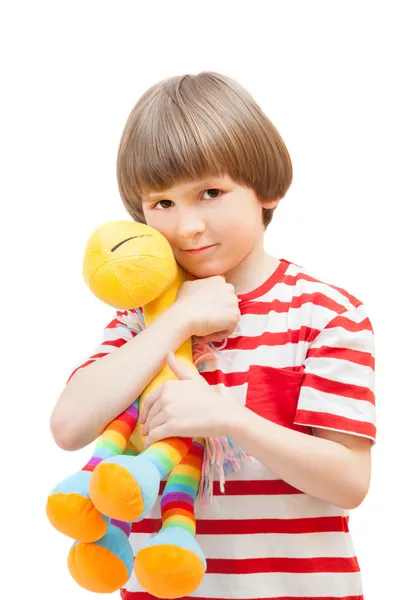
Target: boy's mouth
x=200, y=249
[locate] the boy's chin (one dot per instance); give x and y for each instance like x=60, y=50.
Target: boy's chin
x=203, y=271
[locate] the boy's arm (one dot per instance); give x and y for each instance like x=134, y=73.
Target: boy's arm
x=98, y=393
x=337, y=400
x=102, y=390
x=333, y=466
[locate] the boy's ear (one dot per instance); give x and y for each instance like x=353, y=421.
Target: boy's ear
x=270, y=202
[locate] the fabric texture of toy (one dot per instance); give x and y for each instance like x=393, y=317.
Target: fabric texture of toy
x=130, y=265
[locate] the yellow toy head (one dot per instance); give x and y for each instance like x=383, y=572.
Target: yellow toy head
x=128, y=264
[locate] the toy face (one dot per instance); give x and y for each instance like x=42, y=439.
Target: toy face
x=128, y=264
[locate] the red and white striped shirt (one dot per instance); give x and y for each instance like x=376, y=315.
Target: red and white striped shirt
x=303, y=357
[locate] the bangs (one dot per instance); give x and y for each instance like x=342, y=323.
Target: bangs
x=176, y=146
x=188, y=128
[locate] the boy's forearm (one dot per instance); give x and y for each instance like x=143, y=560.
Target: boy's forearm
x=319, y=467
x=98, y=393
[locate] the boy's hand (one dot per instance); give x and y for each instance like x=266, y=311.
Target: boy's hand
x=210, y=307
x=185, y=408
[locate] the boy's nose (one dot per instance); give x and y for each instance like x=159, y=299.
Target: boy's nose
x=190, y=225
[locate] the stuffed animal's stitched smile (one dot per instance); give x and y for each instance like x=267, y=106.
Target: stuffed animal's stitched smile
x=127, y=240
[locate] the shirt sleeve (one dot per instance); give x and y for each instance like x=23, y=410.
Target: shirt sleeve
x=338, y=387
x=125, y=325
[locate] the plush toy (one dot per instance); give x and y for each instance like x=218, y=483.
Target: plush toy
x=130, y=265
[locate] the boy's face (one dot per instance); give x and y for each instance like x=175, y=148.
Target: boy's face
x=212, y=225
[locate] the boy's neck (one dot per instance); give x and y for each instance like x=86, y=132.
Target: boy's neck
x=253, y=271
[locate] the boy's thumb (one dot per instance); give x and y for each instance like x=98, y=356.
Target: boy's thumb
x=179, y=369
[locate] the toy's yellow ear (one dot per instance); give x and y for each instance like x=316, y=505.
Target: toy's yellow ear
x=128, y=264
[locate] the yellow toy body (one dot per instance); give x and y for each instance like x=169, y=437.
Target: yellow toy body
x=130, y=266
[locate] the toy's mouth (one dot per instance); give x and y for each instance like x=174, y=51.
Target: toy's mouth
x=127, y=240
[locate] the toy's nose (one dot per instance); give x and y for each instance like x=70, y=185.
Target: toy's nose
x=127, y=240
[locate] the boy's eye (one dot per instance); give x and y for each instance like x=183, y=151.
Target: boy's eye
x=212, y=192
x=163, y=204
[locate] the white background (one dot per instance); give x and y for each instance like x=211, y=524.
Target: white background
x=324, y=72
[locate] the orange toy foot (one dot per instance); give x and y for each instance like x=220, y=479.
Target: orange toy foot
x=103, y=566
x=170, y=570
x=124, y=487
x=71, y=511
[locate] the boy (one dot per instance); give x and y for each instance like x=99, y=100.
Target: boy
x=293, y=384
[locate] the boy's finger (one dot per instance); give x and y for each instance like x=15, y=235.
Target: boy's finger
x=154, y=410
x=159, y=433
x=179, y=369
x=149, y=401
x=218, y=336
x=154, y=422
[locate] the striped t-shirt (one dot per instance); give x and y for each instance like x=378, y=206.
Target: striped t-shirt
x=303, y=357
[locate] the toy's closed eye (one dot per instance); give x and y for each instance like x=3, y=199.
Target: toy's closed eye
x=127, y=240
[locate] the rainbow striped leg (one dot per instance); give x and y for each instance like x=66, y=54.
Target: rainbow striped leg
x=70, y=508
x=115, y=438
x=126, y=488
x=172, y=564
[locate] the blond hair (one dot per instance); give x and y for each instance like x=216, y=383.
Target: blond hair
x=192, y=126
